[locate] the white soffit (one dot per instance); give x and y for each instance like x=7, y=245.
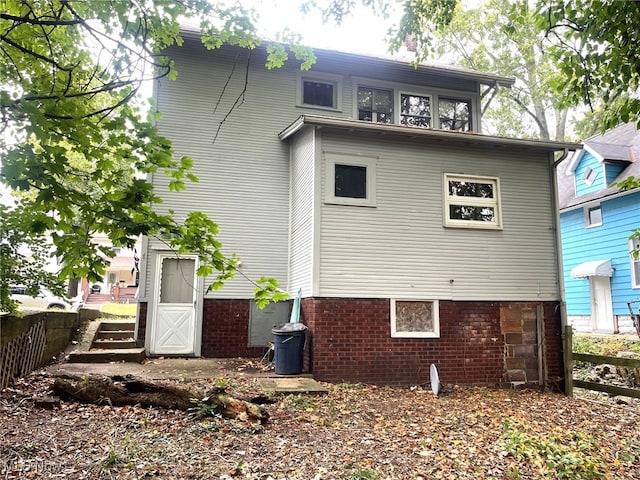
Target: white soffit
x=595, y=268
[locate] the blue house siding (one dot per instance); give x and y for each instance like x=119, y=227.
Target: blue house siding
x=612, y=171
x=582, y=187
x=620, y=216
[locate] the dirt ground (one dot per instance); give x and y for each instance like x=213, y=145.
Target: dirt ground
x=353, y=432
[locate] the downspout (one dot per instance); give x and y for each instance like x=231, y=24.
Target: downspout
x=566, y=347
x=558, y=237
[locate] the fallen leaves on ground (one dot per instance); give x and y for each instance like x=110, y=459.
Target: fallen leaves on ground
x=353, y=432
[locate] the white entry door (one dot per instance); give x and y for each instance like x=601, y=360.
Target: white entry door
x=601, y=305
x=174, y=318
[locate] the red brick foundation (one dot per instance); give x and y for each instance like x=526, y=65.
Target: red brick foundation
x=351, y=341
x=225, y=329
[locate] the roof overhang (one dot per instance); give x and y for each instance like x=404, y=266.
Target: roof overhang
x=595, y=268
x=453, y=137
x=191, y=31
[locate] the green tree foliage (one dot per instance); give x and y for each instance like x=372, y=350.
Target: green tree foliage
x=69, y=73
x=486, y=40
x=596, y=44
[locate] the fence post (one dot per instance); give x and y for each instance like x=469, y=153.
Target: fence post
x=568, y=360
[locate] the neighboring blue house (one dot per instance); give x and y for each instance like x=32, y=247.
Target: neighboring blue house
x=600, y=272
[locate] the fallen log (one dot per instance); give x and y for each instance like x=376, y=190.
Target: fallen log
x=129, y=390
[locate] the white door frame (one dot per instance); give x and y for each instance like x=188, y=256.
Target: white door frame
x=150, y=340
x=601, y=304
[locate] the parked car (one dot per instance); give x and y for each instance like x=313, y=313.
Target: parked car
x=44, y=300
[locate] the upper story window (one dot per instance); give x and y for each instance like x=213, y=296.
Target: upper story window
x=375, y=105
x=454, y=114
x=472, y=202
x=412, y=105
x=350, y=179
x=415, y=110
x=320, y=90
x=634, y=253
x=593, y=216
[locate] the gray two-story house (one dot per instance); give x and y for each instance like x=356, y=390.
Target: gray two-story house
x=366, y=185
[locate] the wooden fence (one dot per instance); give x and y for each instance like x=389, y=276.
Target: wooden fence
x=571, y=357
x=31, y=341
x=22, y=354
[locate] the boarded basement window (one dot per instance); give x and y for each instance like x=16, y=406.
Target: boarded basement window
x=415, y=319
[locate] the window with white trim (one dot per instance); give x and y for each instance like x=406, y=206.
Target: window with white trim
x=415, y=318
x=350, y=179
x=593, y=216
x=472, y=201
x=320, y=90
x=634, y=254
x=589, y=176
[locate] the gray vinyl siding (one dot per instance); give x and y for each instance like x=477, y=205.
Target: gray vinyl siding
x=401, y=249
x=243, y=175
x=302, y=213
x=244, y=172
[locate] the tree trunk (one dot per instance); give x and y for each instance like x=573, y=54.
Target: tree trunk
x=129, y=390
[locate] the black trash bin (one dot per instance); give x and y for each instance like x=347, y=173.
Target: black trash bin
x=288, y=347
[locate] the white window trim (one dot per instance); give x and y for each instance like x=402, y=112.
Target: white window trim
x=435, y=309
x=370, y=163
x=408, y=89
x=633, y=242
x=587, y=218
x=320, y=77
x=589, y=176
x=449, y=200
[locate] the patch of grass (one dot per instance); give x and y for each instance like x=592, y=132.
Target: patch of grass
x=119, y=309
x=302, y=402
x=364, y=474
x=560, y=454
x=608, y=345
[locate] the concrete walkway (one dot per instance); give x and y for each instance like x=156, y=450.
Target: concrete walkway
x=189, y=369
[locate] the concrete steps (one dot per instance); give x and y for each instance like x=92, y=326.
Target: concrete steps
x=108, y=341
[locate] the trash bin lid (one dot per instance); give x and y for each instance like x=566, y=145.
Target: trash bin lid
x=289, y=328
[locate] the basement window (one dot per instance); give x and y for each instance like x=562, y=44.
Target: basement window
x=415, y=319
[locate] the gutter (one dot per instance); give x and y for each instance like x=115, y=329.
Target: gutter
x=359, y=126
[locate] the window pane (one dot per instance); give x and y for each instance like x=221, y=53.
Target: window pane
x=414, y=316
x=595, y=216
x=365, y=98
x=470, y=212
x=415, y=110
x=318, y=93
x=454, y=114
x=375, y=105
x=350, y=181
x=176, y=283
x=470, y=189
